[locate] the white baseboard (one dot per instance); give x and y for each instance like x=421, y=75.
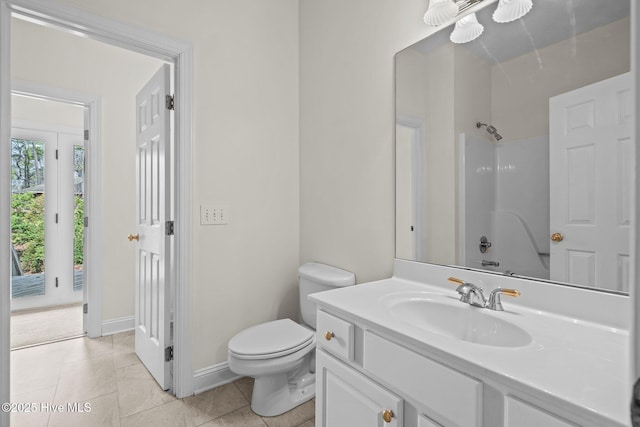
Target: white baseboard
x=121, y=324
x=212, y=376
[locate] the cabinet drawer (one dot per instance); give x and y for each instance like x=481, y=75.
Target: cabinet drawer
x=335, y=335
x=518, y=413
x=448, y=396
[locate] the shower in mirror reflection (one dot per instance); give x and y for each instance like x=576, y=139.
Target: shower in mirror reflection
x=490, y=129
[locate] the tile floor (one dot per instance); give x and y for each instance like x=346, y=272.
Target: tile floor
x=106, y=373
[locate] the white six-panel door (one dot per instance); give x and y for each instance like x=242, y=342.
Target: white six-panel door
x=591, y=164
x=152, y=300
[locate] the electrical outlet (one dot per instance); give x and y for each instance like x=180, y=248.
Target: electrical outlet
x=214, y=215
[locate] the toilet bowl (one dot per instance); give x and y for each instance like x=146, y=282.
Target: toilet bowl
x=280, y=354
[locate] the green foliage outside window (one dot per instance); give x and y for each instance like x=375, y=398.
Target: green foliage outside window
x=27, y=230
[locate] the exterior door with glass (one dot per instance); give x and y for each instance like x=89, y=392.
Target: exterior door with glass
x=47, y=169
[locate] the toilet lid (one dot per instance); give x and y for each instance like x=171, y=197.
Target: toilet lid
x=271, y=339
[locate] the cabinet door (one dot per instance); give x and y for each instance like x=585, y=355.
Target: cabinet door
x=518, y=413
x=345, y=397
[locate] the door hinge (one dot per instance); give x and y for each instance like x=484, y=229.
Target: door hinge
x=85, y=308
x=86, y=221
x=56, y=154
x=168, y=354
x=57, y=282
x=86, y=135
x=169, y=228
x=169, y=102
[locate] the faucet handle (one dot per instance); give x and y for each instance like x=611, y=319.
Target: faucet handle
x=494, y=302
x=464, y=288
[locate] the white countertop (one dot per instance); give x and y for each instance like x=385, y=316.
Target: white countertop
x=572, y=361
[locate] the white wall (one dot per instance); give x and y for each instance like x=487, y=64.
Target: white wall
x=245, y=130
x=347, y=129
x=46, y=112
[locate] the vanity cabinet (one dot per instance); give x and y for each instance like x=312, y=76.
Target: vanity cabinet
x=372, y=386
x=366, y=376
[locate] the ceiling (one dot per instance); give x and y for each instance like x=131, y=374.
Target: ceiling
x=548, y=22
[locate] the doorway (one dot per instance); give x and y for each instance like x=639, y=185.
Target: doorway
x=47, y=230
x=151, y=44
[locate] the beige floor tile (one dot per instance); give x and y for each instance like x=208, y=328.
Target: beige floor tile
x=213, y=404
x=168, y=415
x=36, y=417
x=108, y=375
x=31, y=370
x=138, y=391
x=101, y=412
x=245, y=385
x=120, y=360
x=85, y=379
x=241, y=417
x=124, y=342
x=294, y=417
x=87, y=348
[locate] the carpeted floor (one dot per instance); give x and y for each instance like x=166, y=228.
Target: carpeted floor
x=43, y=325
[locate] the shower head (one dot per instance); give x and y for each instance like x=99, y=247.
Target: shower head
x=490, y=129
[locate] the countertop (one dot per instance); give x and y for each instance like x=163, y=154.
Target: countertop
x=568, y=362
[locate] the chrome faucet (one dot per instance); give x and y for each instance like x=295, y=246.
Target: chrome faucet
x=474, y=295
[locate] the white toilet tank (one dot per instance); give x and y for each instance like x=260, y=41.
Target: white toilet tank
x=315, y=277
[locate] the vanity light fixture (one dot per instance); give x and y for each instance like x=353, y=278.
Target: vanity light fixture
x=440, y=11
x=510, y=10
x=468, y=28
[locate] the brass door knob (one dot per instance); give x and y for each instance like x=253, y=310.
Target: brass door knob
x=133, y=237
x=329, y=335
x=387, y=414
x=557, y=237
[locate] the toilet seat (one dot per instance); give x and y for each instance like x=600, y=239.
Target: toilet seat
x=270, y=340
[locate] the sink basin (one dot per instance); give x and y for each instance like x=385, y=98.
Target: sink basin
x=450, y=317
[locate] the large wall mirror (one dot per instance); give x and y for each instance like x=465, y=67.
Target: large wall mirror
x=514, y=152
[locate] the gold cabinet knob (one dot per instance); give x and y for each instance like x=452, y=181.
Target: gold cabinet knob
x=328, y=335
x=557, y=237
x=387, y=414
x=133, y=237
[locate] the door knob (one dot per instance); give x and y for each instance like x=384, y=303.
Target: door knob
x=557, y=237
x=387, y=415
x=133, y=237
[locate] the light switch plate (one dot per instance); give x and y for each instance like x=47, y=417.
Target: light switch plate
x=214, y=215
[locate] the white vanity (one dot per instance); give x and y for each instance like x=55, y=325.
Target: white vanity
x=406, y=352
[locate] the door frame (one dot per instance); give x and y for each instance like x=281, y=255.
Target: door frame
x=418, y=150
x=161, y=46
x=93, y=182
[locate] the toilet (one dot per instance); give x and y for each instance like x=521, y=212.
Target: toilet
x=280, y=354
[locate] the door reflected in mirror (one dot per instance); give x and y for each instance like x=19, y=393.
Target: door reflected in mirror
x=514, y=152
